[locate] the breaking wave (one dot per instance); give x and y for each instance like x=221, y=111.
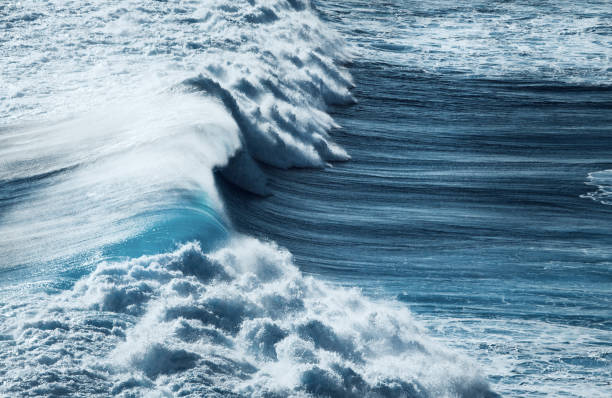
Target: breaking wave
x=102, y=153
x=108, y=168
x=241, y=321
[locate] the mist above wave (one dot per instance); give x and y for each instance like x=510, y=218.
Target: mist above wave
x=78, y=187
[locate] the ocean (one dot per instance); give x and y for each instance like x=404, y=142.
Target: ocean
x=283, y=198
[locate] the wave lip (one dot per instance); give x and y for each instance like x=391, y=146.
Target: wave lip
x=240, y=321
x=274, y=65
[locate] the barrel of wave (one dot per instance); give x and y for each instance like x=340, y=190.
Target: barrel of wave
x=132, y=178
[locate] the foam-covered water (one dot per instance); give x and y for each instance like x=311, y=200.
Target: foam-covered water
x=239, y=321
x=553, y=40
x=475, y=129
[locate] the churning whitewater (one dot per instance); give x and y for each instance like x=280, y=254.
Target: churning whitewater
x=240, y=321
x=121, y=272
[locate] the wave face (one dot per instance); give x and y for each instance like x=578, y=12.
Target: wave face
x=122, y=274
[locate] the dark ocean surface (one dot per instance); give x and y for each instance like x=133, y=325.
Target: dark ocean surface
x=466, y=197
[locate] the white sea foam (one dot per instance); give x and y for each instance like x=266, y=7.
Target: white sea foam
x=241, y=320
x=566, y=355
x=562, y=41
x=602, y=180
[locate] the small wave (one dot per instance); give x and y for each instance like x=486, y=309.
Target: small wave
x=603, y=181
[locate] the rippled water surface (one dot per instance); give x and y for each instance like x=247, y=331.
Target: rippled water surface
x=467, y=193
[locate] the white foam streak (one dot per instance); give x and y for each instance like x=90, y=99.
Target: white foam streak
x=603, y=181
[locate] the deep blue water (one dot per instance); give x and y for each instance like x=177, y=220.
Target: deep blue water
x=431, y=216
x=463, y=200
x=463, y=195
